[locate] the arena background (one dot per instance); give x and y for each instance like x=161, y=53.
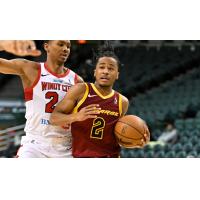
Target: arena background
x=161, y=78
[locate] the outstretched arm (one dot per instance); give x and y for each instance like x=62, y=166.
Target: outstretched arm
x=27, y=70
x=20, y=47
x=62, y=114
x=15, y=66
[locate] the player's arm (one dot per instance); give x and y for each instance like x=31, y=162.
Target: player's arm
x=62, y=114
x=15, y=66
x=125, y=105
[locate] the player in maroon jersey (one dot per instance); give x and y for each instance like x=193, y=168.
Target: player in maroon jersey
x=93, y=110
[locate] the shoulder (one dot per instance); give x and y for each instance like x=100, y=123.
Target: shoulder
x=77, y=91
x=124, y=99
x=30, y=66
x=26, y=65
x=125, y=104
x=79, y=87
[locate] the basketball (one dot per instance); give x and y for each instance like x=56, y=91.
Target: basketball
x=131, y=132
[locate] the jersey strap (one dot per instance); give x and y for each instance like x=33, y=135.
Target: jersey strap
x=83, y=99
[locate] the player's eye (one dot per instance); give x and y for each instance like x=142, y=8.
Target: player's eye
x=111, y=69
x=60, y=44
x=101, y=66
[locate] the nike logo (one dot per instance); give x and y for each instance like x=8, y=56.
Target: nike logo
x=89, y=95
x=44, y=74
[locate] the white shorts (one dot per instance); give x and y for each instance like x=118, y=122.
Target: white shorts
x=40, y=147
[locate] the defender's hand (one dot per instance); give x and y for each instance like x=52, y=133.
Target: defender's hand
x=20, y=47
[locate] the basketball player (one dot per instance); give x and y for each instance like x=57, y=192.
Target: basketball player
x=96, y=108
x=20, y=47
x=45, y=84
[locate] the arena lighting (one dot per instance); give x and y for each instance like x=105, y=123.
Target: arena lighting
x=82, y=41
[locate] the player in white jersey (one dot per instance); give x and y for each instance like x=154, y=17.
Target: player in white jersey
x=45, y=84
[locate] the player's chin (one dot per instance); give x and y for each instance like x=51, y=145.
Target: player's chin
x=104, y=85
x=63, y=59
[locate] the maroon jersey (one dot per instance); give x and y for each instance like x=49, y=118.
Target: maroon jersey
x=95, y=137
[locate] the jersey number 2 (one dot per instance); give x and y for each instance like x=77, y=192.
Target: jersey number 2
x=98, y=128
x=54, y=99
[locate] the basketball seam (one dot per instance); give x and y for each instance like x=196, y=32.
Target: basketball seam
x=125, y=136
x=132, y=127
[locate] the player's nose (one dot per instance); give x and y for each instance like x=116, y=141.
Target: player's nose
x=105, y=70
x=66, y=49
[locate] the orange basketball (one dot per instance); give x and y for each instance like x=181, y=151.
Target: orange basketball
x=131, y=131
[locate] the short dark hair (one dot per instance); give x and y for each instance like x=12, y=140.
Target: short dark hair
x=106, y=50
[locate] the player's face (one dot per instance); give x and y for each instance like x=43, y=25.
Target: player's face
x=106, y=72
x=58, y=50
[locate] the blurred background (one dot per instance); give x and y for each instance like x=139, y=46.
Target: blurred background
x=161, y=78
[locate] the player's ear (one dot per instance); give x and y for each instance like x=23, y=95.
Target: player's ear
x=117, y=77
x=46, y=47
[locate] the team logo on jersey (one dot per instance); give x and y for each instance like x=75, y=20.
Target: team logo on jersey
x=115, y=101
x=55, y=86
x=58, y=81
x=63, y=82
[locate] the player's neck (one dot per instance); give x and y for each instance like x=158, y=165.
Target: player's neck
x=55, y=67
x=104, y=90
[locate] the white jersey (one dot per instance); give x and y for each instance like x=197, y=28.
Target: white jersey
x=41, y=99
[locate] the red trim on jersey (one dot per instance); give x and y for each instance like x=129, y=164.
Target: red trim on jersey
x=28, y=92
x=57, y=75
x=76, y=79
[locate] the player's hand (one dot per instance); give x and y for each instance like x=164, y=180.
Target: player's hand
x=87, y=112
x=147, y=135
x=146, y=139
x=20, y=47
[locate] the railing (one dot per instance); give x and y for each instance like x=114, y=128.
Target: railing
x=156, y=43
x=8, y=136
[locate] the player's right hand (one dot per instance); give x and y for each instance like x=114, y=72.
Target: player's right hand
x=87, y=112
x=20, y=47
